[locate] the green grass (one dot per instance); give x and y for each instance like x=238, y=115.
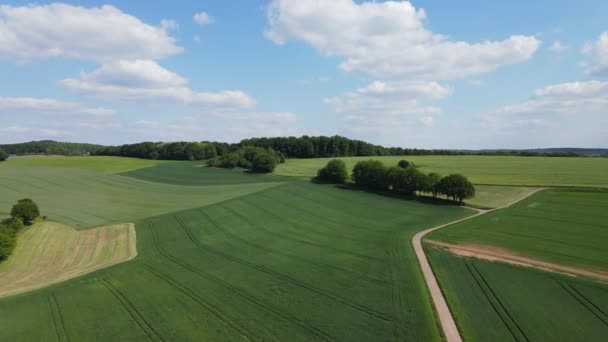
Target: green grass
x=191, y=173
x=99, y=164
x=84, y=198
x=565, y=227
x=491, y=170
x=499, y=302
x=295, y=262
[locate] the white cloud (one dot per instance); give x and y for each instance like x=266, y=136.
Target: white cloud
x=147, y=81
x=203, y=18
x=169, y=24
x=388, y=39
x=551, y=103
x=46, y=106
x=14, y=129
x=60, y=30
x=558, y=47
x=598, y=52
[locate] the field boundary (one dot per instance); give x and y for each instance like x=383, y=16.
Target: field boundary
x=444, y=314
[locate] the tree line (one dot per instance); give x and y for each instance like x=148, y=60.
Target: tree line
x=23, y=213
x=405, y=179
x=50, y=147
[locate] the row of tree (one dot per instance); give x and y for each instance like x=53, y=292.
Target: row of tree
x=22, y=213
x=256, y=159
x=50, y=147
x=404, y=179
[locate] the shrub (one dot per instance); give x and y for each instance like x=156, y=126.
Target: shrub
x=370, y=173
x=334, y=171
x=25, y=210
x=264, y=163
x=404, y=164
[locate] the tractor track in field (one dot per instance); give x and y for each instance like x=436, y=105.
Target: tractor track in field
x=448, y=324
x=499, y=308
x=243, y=294
x=320, y=265
x=359, y=307
x=57, y=316
x=137, y=317
x=584, y=301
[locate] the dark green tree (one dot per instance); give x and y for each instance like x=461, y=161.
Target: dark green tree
x=404, y=164
x=3, y=155
x=334, y=171
x=25, y=210
x=264, y=163
x=370, y=173
x=194, y=151
x=457, y=186
x=433, y=180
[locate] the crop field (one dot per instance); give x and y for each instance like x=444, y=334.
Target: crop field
x=50, y=252
x=298, y=261
x=500, y=302
x=564, y=227
x=99, y=164
x=85, y=198
x=194, y=174
x=489, y=170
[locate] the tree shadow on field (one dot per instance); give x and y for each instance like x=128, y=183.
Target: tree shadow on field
x=418, y=198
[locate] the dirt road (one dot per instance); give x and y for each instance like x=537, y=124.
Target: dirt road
x=446, y=319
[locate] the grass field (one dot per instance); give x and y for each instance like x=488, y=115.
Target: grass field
x=491, y=170
x=499, y=302
x=99, y=164
x=193, y=174
x=84, y=198
x=557, y=226
x=298, y=261
x=49, y=253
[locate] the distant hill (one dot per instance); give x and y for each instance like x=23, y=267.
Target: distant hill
x=50, y=147
x=558, y=151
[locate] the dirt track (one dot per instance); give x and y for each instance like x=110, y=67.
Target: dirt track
x=446, y=319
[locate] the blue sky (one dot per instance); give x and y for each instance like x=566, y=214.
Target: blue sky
x=428, y=74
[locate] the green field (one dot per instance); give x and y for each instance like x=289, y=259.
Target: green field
x=492, y=170
x=193, y=174
x=85, y=198
x=99, y=164
x=297, y=261
x=499, y=302
x=556, y=226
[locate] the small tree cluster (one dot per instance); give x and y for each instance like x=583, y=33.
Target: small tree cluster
x=333, y=172
x=25, y=211
x=256, y=159
x=410, y=181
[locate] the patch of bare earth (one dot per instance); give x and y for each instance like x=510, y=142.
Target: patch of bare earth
x=503, y=255
x=48, y=253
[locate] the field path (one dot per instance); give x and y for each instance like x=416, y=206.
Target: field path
x=446, y=319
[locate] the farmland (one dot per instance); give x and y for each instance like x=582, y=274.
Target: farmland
x=88, y=198
x=489, y=170
x=49, y=253
x=99, y=164
x=499, y=302
x=564, y=227
x=277, y=261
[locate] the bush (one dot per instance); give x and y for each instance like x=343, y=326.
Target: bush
x=334, y=171
x=25, y=210
x=3, y=155
x=404, y=164
x=264, y=163
x=457, y=186
x=406, y=181
x=371, y=174
x=8, y=239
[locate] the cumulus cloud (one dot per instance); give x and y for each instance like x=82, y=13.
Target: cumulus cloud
x=47, y=106
x=203, y=18
x=597, y=51
x=551, y=103
x=389, y=40
x=147, y=81
x=99, y=33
